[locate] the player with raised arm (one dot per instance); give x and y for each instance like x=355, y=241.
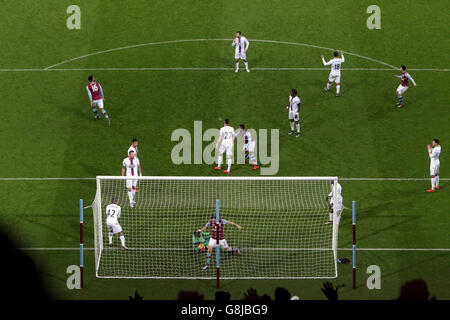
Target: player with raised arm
x=241, y=43
x=225, y=144
x=403, y=86
x=249, y=145
x=113, y=212
x=96, y=97
x=294, y=109
x=218, y=227
x=434, y=150
x=335, y=74
x=133, y=168
x=338, y=206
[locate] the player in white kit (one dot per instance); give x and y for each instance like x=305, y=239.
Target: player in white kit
x=241, y=43
x=133, y=169
x=249, y=145
x=335, y=206
x=225, y=144
x=335, y=74
x=434, y=150
x=294, y=109
x=113, y=212
x=134, y=147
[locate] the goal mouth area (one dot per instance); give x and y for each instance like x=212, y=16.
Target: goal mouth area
x=187, y=178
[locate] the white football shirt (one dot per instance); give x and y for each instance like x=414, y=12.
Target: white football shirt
x=434, y=155
x=227, y=134
x=241, y=44
x=132, y=149
x=113, y=212
x=338, y=195
x=131, y=166
x=335, y=64
x=294, y=104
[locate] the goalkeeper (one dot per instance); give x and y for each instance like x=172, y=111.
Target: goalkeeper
x=200, y=240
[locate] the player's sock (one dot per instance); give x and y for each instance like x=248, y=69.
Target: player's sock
x=338, y=88
x=298, y=127
x=328, y=85
x=133, y=191
x=219, y=161
x=105, y=114
x=94, y=110
x=433, y=183
x=246, y=65
x=400, y=99
x=237, y=65
x=253, y=159
x=436, y=181
x=292, y=126
x=208, y=258
x=229, y=164
x=110, y=236
x=331, y=216
x=122, y=239
x=130, y=195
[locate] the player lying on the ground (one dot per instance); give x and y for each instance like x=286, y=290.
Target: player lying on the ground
x=335, y=74
x=225, y=144
x=249, y=145
x=434, y=153
x=338, y=206
x=403, y=86
x=113, y=212
x=294, y=111
x=241, y=43
x=96, y=98
x=200, y=240
x=212, y=243
x=133, y=169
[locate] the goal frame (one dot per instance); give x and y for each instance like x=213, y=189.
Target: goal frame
x=98, y=220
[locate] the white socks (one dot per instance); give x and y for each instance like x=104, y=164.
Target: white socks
x=130, y=195
x=110, y=235
x=436, y=181
x=292, y=125
x=338, y=88
x=433, y=183
x=122, y=239
x=331, y=216
x=246, y=65
x=298, y=127
x=219, y=161
x=328, y=86
x=237, y=65
x=229, y=164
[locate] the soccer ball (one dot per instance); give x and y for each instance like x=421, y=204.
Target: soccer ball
x=201, y=247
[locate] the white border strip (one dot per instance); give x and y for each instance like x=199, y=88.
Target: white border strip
x=291, y=249
x=224, y=178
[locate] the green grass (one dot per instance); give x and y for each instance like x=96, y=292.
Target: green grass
x=48, y=129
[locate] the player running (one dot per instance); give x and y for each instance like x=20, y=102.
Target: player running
x=96, y=97
x=403, y=86
x=249, y=145
x=133, y=167
x=225, y=141
x=113, y=212
x=335, y=74
x=338, y=206
x=218, y=227
x=294, y=108
x=241, y=43
x=434, y=153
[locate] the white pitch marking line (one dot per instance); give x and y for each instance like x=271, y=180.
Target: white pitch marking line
x=290, y=249
x=210, y=69
x=198, y=40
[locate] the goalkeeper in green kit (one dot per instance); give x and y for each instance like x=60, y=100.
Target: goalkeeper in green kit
x=200, y=239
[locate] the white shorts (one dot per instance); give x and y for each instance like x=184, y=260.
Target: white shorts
x=334, y=77
x=293, y=115
x=213, y=243
x=98, y=103
x=241, y=56
x=250, y=147
x=131, y=183
x=434, y=168
x=226, y=148
x=114, y=227
x=401, y=89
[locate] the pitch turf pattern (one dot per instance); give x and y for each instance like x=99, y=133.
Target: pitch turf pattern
x=48, y=128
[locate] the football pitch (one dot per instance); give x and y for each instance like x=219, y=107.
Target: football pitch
x=165, y=64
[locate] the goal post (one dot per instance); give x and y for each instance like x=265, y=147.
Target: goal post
x=283, y=235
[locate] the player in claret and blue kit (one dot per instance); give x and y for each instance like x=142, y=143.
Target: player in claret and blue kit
x=96, y=97
x=403, y=86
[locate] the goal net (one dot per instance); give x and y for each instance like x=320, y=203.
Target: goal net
x=283, y=235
